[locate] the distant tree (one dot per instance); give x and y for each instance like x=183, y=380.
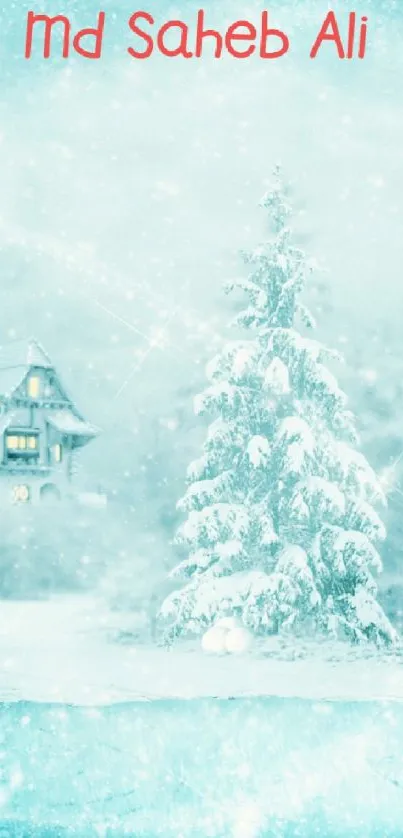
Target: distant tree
x=281, y=530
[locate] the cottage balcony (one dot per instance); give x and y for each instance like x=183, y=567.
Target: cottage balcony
x=22, y=467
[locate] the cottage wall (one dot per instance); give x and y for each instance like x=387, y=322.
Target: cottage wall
x=37, y=485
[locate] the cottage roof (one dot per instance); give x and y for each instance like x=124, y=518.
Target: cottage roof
x=67, y=422
x=24, y=353
x=16, y=359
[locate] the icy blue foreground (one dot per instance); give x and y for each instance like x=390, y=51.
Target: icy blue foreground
x=241, y=768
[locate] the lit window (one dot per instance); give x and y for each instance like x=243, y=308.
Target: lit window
x=21, y=442
x=33, y=386
x=12, y=442
x=57, y=453
x=21, y=494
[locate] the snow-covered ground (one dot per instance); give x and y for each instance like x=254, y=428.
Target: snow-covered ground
x=65, y=650
x=249, y=768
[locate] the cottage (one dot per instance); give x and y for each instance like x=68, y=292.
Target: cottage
x=40, y=426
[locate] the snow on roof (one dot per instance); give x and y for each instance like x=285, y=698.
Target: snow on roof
x=68, y=423
x=24, y=353
x=16, y=359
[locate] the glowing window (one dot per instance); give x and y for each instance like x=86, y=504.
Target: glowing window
x=57, y=453
x=33, y=386
x=12, y=442
x=21, y=442
x=21, y=494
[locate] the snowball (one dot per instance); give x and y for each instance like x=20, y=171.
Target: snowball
x=238, y=641
x=213, y=641
x=226, y=636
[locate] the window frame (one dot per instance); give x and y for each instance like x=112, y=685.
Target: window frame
x=19, y=443
x=57, y=453
x=37, y=388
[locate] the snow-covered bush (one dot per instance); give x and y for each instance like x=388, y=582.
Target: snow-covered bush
x=281, y=528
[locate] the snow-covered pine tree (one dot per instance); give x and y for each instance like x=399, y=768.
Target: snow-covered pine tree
x=281, y=530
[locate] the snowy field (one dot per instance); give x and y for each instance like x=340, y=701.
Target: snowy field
x=65, y=650
x=277, y=761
